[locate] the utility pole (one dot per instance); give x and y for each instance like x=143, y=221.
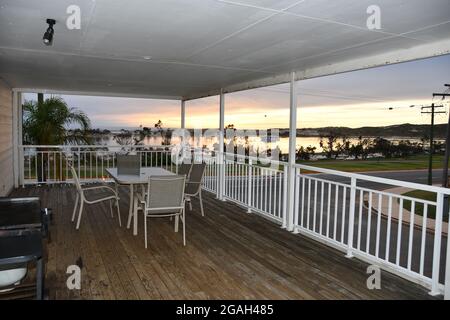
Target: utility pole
x=430, y=158
x=447, y=142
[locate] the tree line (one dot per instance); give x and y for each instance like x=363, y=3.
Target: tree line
x=335, y=146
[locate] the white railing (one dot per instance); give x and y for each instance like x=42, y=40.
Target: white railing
x=210, y=177
x=50, y=164
x=347, y=211
x=259, y=188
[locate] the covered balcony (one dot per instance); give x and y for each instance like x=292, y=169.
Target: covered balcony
x=272, y=229
x=230, y=254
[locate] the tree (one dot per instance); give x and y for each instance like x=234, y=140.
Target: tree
x=383, y=146
x=124, y=138
x=47, y=123
x=360, y=149
x=330, y=145
x=159, y=125
x=327, y=143
x=342, y=147
x=306, y=153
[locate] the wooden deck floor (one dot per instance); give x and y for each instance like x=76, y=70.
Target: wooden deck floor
x=230, y=254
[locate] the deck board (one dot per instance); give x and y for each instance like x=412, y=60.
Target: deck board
x=230, y=254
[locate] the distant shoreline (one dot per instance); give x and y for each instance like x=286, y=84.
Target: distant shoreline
x=401, y=131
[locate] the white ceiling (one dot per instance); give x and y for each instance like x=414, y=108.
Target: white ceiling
x=199, y=46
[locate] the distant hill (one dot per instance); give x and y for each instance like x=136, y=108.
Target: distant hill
x=400, y=130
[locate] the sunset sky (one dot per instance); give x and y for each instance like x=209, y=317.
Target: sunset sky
x=354, y=99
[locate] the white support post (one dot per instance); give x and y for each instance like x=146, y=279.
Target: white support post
x=221, y=177
x=291, y=162
x=20, y=139
x=15, y=135
x=183, y=127
x=183, y=114
x=351, y=219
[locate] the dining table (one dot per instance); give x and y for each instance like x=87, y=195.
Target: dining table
x=135, y=180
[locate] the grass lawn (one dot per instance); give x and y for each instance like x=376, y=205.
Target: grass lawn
x=425, y=195
x=410, y=163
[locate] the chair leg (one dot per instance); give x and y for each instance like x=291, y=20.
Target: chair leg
x=79, y=214
x=110, y=209
x=118, y=214
x=75, y=207
x=116, y=187
x=201, y=202
x=145, y=231
x=184, y=227
x=133, y=213
x=190, y=204
x=130, y=215
x=176, y=223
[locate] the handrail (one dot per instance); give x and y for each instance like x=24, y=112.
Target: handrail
x=95, y=146
x=358, y=176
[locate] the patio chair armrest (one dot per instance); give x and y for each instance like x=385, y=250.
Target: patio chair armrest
x=102, y=187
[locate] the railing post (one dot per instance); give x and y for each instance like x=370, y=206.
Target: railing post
x=223, y=175
x=447, y=265
x=285, y=198
x=217, y=173
x=249, y=186
x=351, y=218
x=297, y=202
x=437, y=245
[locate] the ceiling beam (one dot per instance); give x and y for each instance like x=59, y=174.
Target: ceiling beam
x=398, y=56
x=95, y=93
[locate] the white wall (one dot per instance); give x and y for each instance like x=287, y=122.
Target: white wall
x=6, y=146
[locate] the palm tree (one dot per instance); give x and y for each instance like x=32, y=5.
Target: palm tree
x=47, y=123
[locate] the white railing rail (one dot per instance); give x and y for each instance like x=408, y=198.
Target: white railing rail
x=351, y=212
x=49, y=164
x=376, y=226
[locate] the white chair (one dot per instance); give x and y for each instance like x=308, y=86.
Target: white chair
x=164, y=197
x=110, y=195
x=194, y=185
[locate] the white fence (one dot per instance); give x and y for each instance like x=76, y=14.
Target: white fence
x=50, y=164
x=347, y=211
x=350, y=213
